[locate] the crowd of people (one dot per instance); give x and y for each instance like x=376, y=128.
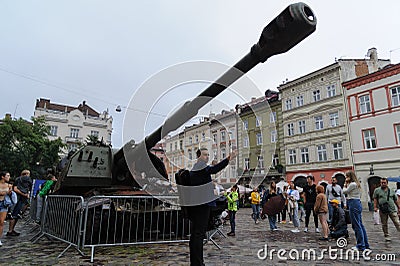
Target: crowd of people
x=333, y=208
x=15, y=196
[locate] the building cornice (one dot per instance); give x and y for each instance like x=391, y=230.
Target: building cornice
x=310, y=76
x=378, y=75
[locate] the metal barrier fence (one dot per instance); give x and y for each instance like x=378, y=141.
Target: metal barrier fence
x=112, y=220
x=62, y=220
x=127, y=220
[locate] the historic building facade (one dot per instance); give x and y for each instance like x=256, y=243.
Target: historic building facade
x=259, y=140
x=374, y=118
x=196, y=136
x=315, y=123
x=223, y=140
x=174, y=154
x=73, y=124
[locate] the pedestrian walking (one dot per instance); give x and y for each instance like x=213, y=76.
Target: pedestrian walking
x=285, y=208
x=278, y=191
x=334, y=191
x=5, y=189
x=301, y=206
x=398, y=189
x=272, y=192
x=352, y=188
x=22, y=186
x=310, y=193
x=255, y=204
x=293, y=196
x=321, y=208
x=199, y=214
x=263, y=196
x=232, y=198
x=386, y=201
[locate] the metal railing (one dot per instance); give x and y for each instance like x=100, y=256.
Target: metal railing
x=62, y=220
x=127, y=220
x=112, y=220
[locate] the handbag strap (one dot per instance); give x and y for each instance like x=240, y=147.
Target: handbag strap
x=388, y=195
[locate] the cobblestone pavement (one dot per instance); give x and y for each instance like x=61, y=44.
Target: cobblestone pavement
x=239, y=250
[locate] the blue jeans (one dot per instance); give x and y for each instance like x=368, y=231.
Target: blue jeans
x=295, y=215
x=330, y=211
x=256, y=211
x=272, y=222
x=355, y=211
x=232, y=221
x=339, y=232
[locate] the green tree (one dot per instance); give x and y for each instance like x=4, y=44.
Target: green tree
x=24, y=145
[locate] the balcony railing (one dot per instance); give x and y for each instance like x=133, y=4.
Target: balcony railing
x=73, y=139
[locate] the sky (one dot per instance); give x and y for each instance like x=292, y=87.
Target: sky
x=104, y=51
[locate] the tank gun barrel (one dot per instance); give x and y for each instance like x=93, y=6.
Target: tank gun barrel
x=290, y=27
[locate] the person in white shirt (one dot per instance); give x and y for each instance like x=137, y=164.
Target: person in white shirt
x=293, y=196
x=398, y=189
x=334, y=191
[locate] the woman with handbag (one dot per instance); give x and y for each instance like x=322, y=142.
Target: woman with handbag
x=352, y=188
x=5, y=189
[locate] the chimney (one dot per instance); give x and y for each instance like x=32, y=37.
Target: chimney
x=373, y=57
x=373, y=54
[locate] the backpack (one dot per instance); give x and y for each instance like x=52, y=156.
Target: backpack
x=182, y=177
x=10, y=200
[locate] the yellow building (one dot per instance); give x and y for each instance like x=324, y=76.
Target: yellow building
x=259, y=138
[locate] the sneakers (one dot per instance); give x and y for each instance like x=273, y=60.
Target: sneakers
x=256, y=222
x=359, y=249
x=324, y=239
x=283, y=222
x=296, y=230
x=301, y=220
x=316, y=230
x=387, y=239
x=231, y=234
x=305, y=229
x=290, y=222
x=12, y=233
x=275, y=229
x=356, y=248
x=1, y=243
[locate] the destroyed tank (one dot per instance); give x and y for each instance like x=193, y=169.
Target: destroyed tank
x=98, y=169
